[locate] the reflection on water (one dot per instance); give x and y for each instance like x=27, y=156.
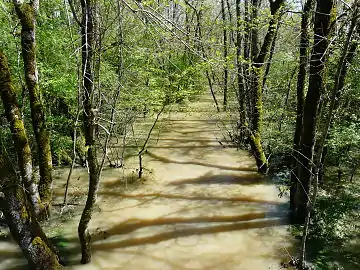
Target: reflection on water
x=202, y=206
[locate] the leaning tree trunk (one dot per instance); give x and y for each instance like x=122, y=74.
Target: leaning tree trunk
x=307, y=141
x=256, y=79
x=22, y=147
x=87, y=40
x=27, y=15
x=300, y=95
x=22, y=222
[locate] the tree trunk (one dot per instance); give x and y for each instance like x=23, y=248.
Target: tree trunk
x=27, y=15
x=307, y=141
x=87, y=40
x=246, y=53
x=19, y=136
x=300, y=95
x=346, y=57
x=225, y=54
x=22, y=222
x=255, y=5
x=272, y=50
x=231, y=31
x=256, y=79
x=345, y=60
x=240, y=79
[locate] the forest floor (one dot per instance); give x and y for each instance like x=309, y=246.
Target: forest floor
x=201, y=205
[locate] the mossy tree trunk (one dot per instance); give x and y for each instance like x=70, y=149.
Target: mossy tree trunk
x=26, y=12
x=87, y=40
x=300, y=88
x=256, y=79
x=307, y=141
x=19, y=136
x=22, y=222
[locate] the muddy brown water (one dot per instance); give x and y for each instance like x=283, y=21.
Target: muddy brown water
x=203, y=206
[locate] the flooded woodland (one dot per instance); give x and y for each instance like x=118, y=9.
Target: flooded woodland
x=200, y=205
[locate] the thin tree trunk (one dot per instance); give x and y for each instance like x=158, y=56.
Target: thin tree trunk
x=300, y=95
x=79, y=109
x=225, y=54
x=87, y=42
x=240, y=79
x=231, y=31
x=246, y=66
x=307, y=142
x=255, y=5
x=212, y=90
x=286, y=99
x=340, y=80
x=27, y=15
x=272, y=50
x=19, y=136
x=22, y=222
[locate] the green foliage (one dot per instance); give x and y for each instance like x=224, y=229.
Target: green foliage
x=335, y=224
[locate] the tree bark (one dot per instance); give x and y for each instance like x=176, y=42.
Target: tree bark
x=19, y=136
x=255, y=5
x=256, y=79
x=246, y=53
x=87, y=40
x=225, y=54
x=339, y=77
x=307, y=141
x=27, y=15
x=22, y=222
x=240, y=79
x=272, y=50
x=300, y=95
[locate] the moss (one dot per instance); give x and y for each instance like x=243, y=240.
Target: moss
x=333, y=15
x=258, y=151
x=257, y=118
x=24, y=214
x=37, y=241
x=47, y=258
x=26, y=14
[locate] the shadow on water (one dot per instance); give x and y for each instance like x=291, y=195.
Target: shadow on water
x=196, y=131
x=153, y=239
x=222, y=179
x=187, y=140
x=142, y=196
x=217, y=166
